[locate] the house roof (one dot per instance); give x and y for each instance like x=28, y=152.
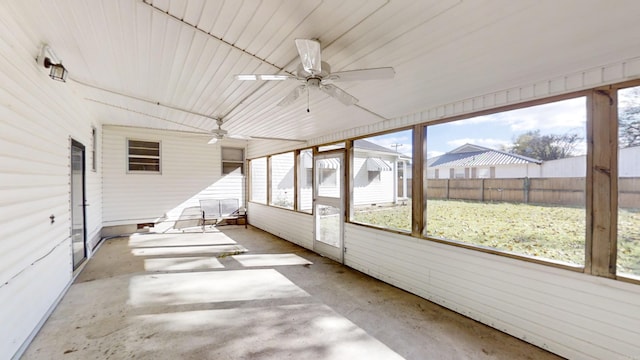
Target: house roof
x=469, y=155
x=369, y=146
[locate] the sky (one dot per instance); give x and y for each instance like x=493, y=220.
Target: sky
x=496, y=130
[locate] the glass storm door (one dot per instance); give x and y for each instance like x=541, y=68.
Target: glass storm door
x=78, y=232
x=329, y=205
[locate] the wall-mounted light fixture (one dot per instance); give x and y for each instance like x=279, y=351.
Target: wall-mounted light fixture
x=50, y=61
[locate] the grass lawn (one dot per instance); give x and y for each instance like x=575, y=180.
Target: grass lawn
x=549, y=232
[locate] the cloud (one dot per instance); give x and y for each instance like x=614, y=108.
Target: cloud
x=401, y=141
x=566, y=115
x=486, y=142
x=432, y=154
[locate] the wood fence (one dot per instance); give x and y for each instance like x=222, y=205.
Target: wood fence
x=554, y=191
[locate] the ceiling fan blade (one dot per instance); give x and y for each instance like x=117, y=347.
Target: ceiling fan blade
x=339, y=94
x=309, y=51
x=253, y=77
x=364, y=74
x=293, y=95
x=213, y=140
x=239, y=137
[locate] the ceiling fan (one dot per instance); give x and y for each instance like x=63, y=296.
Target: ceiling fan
x=316, y=74
x=220, y=133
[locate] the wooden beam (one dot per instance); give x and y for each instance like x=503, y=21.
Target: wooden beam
x=602, y=183
x=268, y=172
x=419, y=201
x=296, y=178
x=348, y=184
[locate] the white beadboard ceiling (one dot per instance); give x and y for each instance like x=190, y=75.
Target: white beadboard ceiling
x=125, y=56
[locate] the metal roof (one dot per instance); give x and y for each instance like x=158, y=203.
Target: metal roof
x=479, y=156
x=362, y=144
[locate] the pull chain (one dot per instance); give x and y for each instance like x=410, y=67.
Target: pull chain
x=308, y=99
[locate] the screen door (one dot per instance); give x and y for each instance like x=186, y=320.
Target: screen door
x=329, y=205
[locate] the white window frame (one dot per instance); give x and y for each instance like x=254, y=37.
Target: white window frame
x=231, y=161
x=158, y=157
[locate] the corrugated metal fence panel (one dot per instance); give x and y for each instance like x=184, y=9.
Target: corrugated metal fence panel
x=190, y=171
x=571, y=314
x=290, y=225
x=38, y=117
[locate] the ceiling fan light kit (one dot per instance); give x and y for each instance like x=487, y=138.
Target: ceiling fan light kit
x=316, y=74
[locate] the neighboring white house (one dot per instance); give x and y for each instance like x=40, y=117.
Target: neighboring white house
x=478, y=162
x=377, y=174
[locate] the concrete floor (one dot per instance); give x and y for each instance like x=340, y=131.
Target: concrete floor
x=235, y=293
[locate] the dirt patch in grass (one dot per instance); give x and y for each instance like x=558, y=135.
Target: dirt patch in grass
x=549, y=232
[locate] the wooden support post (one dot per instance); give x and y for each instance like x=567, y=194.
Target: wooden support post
x=446, y=192
x=419, y=203
x=602, y=189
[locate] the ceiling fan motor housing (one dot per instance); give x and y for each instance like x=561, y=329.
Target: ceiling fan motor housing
x=325, y=70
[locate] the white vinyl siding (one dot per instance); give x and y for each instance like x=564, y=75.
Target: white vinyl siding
x=372, y=187
x=259, y=180
x=298, y=226
x=190, y=172
x=572, y=314
x=282, y=180
x=38, y=118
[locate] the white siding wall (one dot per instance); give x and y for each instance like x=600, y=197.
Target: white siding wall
x=517, y=171
x=259, y=182
x=38, y=116
x=568, y=167
x=282, y=180
x=377, y=191
x=629, y=162
x=572, y=314
x=191, y=170
x=306, y=198
x=290, y=225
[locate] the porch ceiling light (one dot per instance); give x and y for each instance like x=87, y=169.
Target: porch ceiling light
x=50, y=61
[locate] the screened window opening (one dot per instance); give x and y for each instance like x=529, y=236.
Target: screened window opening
x=143, y=156
x=232, y=161
x=259, y=180
x=382, y=180
x=282, y=168
x=305, y=181
x=94, y=149
x=628, y=262
x=512, y=181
